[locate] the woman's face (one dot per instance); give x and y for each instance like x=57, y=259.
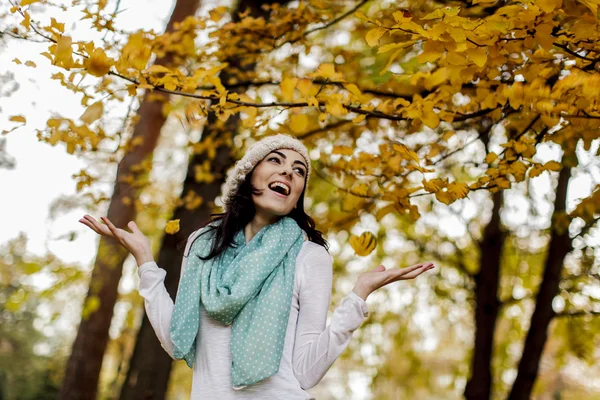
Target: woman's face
x=289, y=169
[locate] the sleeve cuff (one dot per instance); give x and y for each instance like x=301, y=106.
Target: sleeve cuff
x=145, y=266
x=361, y=302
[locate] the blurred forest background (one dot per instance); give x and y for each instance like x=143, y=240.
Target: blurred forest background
x=457, y=131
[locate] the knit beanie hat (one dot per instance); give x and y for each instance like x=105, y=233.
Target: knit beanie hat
x=254, y=155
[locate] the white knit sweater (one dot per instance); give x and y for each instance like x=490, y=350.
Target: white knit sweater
x=310, y=346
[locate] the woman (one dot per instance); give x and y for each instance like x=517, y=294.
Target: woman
x=251, y=307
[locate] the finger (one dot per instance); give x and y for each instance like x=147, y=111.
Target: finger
x=379, y=268
x=113, y=229
x=89, y=225
x=416, y=273
x=99, y=228
x=409, y=272
x=134, y=228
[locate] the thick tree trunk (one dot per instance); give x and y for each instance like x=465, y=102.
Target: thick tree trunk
x=150, y=366
x=560, y=245
x=85, y=362
x=487, y=304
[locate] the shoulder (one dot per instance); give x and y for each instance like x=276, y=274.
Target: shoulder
x=314, y=256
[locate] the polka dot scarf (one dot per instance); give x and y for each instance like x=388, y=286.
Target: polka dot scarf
x=249, y=286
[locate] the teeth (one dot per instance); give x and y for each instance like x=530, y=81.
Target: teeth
x=285, y=188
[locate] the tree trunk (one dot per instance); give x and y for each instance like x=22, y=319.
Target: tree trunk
x=487, y=304
x=150, y=365
x=84, y=364
x=560, y=245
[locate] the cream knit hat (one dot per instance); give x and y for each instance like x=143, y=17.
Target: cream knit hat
x=254, y=155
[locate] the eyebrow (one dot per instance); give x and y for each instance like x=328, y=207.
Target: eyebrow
x=284, y=157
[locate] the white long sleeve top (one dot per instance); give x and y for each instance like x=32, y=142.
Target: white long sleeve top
x=310, y=347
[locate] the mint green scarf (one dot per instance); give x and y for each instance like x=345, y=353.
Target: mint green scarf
x=249, y=286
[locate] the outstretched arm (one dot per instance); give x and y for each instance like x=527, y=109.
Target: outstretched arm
x=157, y=301
x=317, y=346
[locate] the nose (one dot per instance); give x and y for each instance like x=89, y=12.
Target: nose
x=286, y=173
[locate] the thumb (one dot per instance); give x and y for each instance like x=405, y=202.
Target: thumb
x=134, y=228
x=379, y=268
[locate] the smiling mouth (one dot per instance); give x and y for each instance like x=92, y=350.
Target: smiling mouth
x=278, y=191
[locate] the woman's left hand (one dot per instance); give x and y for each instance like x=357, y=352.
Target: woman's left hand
x=370, y=281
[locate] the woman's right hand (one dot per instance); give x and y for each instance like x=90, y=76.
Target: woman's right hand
x=135, y=242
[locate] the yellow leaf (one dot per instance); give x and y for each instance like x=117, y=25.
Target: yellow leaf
x=287, y=88
x=98, y=64
x=543, y=35
x=306, y=87
x=391, y=60
x=374, y=35
x=156, y=69
x=92, y=113
x=536, y=170
x=430, y=119
x=59, y=26
x=405, y=152
x=458, y=190
x=26, y=20
x=352, y=88
x=335, y=107
x=343, y=150
x=359, y=118
x=17, y=61
x=18, y=118
x=455, y=58
x=382, y=212
x=447, y=135
x=478, y=55
x=298, y=123
x=591, y=4
x=433, y=185
x=28, y=2
x=63, y=53
x=552, y=166
x=326, y=71
x=444, y=197
x=438, y=13
x=491, y=157
x=364, y=244
x=30, y=64
x=458, y=34
x=217, y=13
x=548, y=5
x=172, y=227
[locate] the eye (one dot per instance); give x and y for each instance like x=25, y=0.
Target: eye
x=274, y=158
x=301, y=171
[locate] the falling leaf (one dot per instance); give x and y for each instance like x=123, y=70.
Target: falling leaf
x=18, y=118
x=92, y=113
x=172, y=227
x=30, y=64
x=364, y=244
